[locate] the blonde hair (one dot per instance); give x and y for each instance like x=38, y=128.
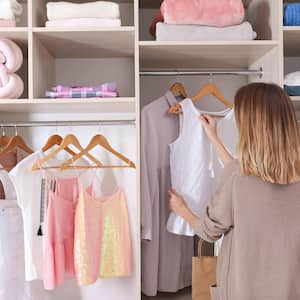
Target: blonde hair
x=269, y=144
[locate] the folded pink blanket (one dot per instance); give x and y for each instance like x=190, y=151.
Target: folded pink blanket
x=7, y=23
x=84, y=22
x=219, y=13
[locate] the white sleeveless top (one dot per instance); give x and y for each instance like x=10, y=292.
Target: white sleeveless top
x=194, y=163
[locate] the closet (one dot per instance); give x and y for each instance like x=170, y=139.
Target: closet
x=82, y=56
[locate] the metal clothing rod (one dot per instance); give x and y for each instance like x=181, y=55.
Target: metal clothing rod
x=66, y=123
x=200, y=72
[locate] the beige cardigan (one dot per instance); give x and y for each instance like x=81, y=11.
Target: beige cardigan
x=260, y=255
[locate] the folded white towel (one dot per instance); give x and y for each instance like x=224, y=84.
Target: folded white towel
x=85, y=22
x=168, y=32
x=10, y=9
x=69, y=10
x=292, y=79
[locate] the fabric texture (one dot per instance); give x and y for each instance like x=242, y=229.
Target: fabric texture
x=194, y=163
x=59, y=238
x=10, y=9
x=102, y=237
x=259, y=221
x=84, y=22
x=166, y=258
x=105, y=87
x=291, y=14
x=12, y=267
x=292, y=90
x=167, y=32
x=203, y=12
x=292, y=79
x=68, y=10
x=82, y=94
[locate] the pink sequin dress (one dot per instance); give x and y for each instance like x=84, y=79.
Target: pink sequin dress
x=102, y=246
x=59, y=233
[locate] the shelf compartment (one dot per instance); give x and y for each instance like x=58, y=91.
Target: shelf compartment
x=39, y=12
x=69, y=43
x=291, y=37
x=90, y=105
x=204, y=54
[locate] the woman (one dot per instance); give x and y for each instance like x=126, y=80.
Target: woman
x=257, y=203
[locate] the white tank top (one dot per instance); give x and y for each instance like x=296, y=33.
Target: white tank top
x=194, y=163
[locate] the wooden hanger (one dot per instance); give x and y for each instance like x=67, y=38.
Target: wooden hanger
x=99, y=140
x=4, y=140
x=68, y=140
x=55, y=140
x=208, y=88
x=16, y=142
x=178, y=88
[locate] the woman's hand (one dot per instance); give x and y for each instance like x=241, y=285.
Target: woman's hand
x=210, y=126
x=180, y=208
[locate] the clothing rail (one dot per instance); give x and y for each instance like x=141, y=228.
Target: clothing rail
x=201, y=72
x=66, y=123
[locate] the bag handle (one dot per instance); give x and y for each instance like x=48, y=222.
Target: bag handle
x=200, y=245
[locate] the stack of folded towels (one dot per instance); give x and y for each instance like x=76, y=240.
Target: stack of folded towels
x=202, y=20
x=291, y=14
x=105, y=90
x=90, y=14
x=10, y=11
x=292, y=83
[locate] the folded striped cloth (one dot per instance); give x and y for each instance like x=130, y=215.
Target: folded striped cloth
x=105, y=87
x=291, y=15
x=81, y=94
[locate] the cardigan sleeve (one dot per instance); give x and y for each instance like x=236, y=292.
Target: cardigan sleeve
x=218, y=218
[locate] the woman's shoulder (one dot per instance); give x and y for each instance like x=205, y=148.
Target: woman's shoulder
x=232, y=168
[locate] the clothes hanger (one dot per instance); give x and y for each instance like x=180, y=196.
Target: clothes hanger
x=178, y=88
x=3, y=138
x=68, y=140
x=99, y=140
x=16, y=142
x=209, y=88
x=55, y=140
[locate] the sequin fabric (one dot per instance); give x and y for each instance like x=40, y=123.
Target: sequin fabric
x=102, y=247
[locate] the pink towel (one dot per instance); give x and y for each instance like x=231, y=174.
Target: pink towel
x=7, y=23
x=84, y=22
x=219, y=13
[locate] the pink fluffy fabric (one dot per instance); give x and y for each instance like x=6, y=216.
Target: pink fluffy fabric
x=219, y=13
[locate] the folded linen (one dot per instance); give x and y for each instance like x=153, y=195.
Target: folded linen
x=85, y=22
x=10, y=9
x=292, y=83
x=291, y=14
x=70, y=94
x=7, y=23
x=69, y=10
x=167, y=32
x=105, y=87
x=217, y=13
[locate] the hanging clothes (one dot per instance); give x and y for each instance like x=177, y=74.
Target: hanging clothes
x=102, y=237
x=194, y=163
x=59, y=232
x=166, y=258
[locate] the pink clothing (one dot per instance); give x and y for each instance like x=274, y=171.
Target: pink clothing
x=84, y=22
x=219, y=13
x=7, y=23
x=102, y=246
x=59, y=237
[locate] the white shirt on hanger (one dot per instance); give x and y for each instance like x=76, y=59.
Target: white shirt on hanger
x=194, y=163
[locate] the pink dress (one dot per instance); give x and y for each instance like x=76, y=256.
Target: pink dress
x=59, y=237
x=102, y=246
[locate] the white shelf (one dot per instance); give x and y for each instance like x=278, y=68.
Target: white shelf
x=291, y=37
x=155, y=54
x=89, y=105
x=295, y=98
x=17, y=34
x=87, y=42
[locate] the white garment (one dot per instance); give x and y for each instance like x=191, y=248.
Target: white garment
x=85, y=22
x=9, y=190
x=28, y=188
x=10, y=9
x=12, y=269
x=68, y=10
x=194, y=163
x=292, y=79
x=170, y=32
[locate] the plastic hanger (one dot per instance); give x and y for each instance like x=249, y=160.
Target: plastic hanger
x=68, y=140
x=178, y=88
x=16, y=142
x=99, y=140
x=209, y=88
x=55, y=140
